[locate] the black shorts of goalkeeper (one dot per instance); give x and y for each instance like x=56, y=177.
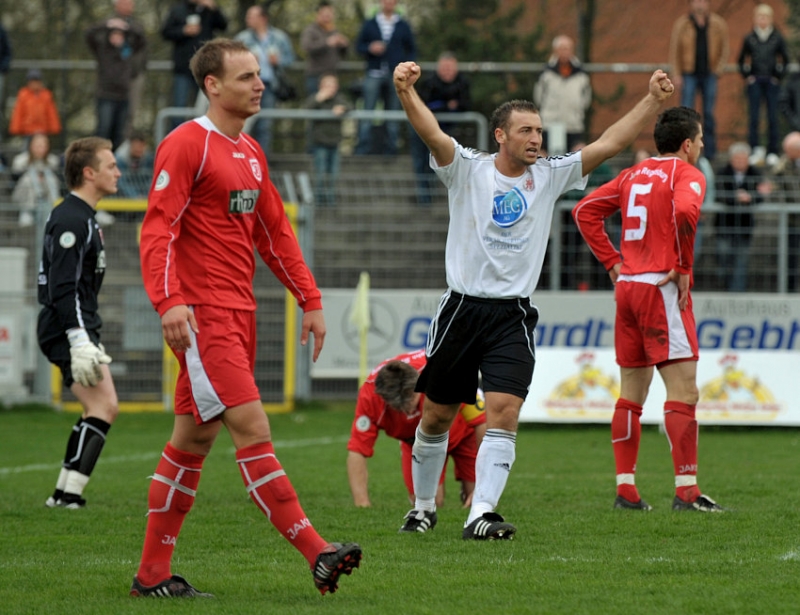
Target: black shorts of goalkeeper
x=55, y=346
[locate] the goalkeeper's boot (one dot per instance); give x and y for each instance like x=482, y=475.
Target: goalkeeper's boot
x=702, y=503
x=174, y=587
x=419, y=521
x=622, y=502
x=53, y=500
x=70, y=501
x=489, y=526
x=335, y=560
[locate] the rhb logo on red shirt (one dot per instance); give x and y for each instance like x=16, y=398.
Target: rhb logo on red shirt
x=243, y=201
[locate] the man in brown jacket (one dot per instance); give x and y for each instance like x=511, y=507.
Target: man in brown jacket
x=698, y=52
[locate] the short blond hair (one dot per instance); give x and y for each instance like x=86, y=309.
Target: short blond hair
x=763, y=9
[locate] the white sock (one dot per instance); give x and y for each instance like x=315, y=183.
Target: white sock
x=492, y=466
x=62, y=479
x=427, y=461
x=75, y=482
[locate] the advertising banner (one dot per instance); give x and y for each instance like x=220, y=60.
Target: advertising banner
x=761, y=331
x=748, y=387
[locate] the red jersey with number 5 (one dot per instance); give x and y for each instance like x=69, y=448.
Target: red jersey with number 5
x=659, y=200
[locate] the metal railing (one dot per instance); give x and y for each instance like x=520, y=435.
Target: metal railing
x=469, y=117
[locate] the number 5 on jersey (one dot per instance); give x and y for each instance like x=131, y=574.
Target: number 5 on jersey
x=637, y=211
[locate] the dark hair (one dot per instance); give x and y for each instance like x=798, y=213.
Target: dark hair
x=81, y=154
x=209, y=59
x=395, y=383
x=674, y=126
x=138, y=135
x=501, y=115
x=323, y=3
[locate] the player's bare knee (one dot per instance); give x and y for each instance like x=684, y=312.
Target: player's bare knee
x=112, y=411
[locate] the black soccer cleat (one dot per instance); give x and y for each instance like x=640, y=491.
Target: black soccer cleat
x=174, y=587
x=702, y=503
x=52, y=501
x=71, y=501
x=419, y=521
x=335, y=560
x=489, y=526
x=626, y=504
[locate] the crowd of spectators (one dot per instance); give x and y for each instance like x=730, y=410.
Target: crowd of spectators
x=699, y=50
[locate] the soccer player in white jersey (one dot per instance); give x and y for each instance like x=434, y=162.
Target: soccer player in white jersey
x=501, y=208
x=659, y=200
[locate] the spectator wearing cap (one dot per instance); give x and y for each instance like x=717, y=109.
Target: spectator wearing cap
x=35, y=110
x=116, y=44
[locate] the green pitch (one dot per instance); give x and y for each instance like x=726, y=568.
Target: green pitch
x=572, y=553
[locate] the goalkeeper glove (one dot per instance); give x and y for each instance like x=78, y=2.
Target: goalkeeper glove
x=85, y=358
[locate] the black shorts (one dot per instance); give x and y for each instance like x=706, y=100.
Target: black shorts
x=469, y=336
x=55, y=345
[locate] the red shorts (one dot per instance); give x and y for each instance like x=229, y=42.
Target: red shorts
x=461, y=447
x=650, y=329
x=217, y=371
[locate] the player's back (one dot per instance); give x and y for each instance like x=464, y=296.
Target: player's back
x=659, y=202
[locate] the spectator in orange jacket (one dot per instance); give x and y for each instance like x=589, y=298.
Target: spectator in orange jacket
x=35, y=110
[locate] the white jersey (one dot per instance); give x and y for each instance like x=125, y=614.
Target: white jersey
x=499, y=226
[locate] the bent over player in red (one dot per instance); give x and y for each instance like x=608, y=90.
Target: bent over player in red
x=387, y=402
x=660, y=200
x=211, y=202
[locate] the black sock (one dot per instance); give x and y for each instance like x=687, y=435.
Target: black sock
x=91, y=438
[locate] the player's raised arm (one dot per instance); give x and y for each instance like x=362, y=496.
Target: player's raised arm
x=406, y=74
x=623, y=132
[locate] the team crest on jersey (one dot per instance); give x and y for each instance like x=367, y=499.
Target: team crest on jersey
x=362, y=423
x=67, y=240
x=696, y=187
x=528, y=185
x=509, y=208
x=163, y=180
x=256, y=168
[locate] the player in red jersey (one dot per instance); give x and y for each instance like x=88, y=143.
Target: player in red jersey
x=659, y=200
x=211, y=202
x=387, y=402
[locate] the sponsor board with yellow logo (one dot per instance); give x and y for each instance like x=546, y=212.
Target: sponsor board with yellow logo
x=736, y=387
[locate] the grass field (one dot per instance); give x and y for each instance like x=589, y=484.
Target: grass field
x=572, y=553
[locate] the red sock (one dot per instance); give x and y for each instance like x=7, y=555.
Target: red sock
x=170, y=498
x=626, y=433
x=681, y=427
x=270, y=489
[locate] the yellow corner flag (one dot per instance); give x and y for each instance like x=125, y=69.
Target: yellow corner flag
x=359, y=316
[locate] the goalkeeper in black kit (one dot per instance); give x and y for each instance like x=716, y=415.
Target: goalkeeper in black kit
x=70, y=275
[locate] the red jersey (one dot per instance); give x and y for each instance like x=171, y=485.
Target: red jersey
x=373, y=414
x=211, y=201
x=660, y=200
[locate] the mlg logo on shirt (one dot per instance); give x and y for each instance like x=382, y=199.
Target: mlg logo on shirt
x=243, y=201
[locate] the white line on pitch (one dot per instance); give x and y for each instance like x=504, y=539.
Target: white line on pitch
x=37, y=467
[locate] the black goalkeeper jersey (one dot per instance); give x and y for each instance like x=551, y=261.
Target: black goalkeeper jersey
x=71, y=270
